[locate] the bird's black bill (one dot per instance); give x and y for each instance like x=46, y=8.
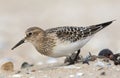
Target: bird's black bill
x=19, y=43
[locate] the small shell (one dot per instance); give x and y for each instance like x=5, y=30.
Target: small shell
x=8, y=66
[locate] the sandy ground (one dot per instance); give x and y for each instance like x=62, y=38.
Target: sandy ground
x=96, y=69
x=18, y=15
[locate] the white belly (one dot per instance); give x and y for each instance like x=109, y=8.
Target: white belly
x=67, y=48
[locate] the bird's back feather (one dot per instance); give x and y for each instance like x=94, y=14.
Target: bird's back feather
x=72, y=33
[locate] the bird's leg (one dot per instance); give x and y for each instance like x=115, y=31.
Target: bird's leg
x=78, y=52
x=73, y=58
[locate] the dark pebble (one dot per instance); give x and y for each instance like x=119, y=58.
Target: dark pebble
x=25, y=65
x=105, y=52
x=102, y=73
x=18, y=72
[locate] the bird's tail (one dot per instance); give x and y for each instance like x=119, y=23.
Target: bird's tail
x=98, y=27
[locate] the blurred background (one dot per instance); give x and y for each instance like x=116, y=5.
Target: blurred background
x=18, y=15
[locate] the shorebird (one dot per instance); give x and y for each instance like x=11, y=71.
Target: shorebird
x=61, y=41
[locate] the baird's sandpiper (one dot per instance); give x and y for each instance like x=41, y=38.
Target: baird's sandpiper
x=61, y=41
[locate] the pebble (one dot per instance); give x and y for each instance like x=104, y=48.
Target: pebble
x=100, y=68
x=100, y=64
x=8, y=66
x=18, y=72
x=26, y=65
x=105, y=52
x=102, y=73
x=33, y=70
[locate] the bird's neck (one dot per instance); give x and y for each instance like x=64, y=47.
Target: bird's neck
x=41, y=44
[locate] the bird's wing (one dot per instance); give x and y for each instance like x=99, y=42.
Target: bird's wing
x=73, y=34
x=67, y=33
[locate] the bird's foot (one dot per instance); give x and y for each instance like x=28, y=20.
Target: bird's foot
x=85, y=62
x=71, y=59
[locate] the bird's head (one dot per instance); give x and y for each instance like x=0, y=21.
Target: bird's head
x=33, y=34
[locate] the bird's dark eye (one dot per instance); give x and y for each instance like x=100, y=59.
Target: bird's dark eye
x=29, y=34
